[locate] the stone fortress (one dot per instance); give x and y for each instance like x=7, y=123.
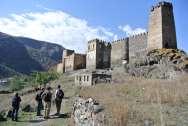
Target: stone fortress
x=101, y=55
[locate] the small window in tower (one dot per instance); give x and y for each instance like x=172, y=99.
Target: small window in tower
x=87, y=78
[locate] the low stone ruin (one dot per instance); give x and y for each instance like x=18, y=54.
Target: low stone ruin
x=89, y=78
x=87, y=113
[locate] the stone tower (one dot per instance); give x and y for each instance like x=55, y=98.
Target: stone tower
x=98, y=54
x=161, y=32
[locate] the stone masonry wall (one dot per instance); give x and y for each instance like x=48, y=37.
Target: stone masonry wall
x=137, y=44
x=103, y=55
x=119, y=52
x=79, y=61
x=161, y=32
x=91, y=55
x=98, y=54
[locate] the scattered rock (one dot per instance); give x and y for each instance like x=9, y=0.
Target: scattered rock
x=86, y=112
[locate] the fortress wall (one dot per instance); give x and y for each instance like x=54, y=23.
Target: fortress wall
x=79, y=61
x=69, y=63
x=91, y=54
x=137, y=44
x=98, y=54
x=103, y=55
x=119, y=51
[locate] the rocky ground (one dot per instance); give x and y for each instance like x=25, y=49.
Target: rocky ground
x=160, y=64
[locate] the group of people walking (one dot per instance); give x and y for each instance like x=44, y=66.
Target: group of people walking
x=43, y=96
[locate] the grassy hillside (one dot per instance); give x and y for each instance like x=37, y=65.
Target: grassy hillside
x=128, y=101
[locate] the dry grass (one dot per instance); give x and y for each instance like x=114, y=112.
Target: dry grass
x=166, y=91
x=131, y=94
x=119, y=114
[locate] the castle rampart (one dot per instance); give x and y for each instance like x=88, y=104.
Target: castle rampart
x=137, y=44
x=101, y=54
x=120, y=51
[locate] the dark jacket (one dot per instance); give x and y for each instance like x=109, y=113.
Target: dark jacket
x=38, y=97
x=16, y=102
x=47, y=96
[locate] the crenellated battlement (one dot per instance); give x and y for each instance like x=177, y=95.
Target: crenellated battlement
x=97, y=40
x=139, y=35
x=160, y=4
x=119, y=40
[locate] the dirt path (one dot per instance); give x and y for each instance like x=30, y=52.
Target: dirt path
x=54, y=120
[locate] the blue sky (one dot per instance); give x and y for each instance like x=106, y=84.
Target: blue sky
x=72, y=23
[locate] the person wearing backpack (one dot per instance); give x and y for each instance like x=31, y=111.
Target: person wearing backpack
x=15, y=105
x=47, y=97
x=38, y=99
x=59, y=94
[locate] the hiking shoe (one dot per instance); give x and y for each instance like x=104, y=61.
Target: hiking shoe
x=57, y=114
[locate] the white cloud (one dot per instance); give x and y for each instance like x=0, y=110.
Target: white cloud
x=130, y=31
x=54, y=26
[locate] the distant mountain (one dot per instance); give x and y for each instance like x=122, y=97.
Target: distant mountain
x=25, y=55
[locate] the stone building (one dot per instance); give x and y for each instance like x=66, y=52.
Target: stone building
x=98, y=54
x=88, y=78
x=161, y=32
x=71, y=61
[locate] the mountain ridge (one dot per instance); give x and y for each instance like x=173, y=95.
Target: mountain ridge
x=25, y=55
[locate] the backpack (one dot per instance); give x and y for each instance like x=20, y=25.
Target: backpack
x=16, y=101
x=59, y=94
x=38, y=97
x=47, y=97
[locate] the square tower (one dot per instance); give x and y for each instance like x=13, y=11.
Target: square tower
x=98, y=54
x=161, y=32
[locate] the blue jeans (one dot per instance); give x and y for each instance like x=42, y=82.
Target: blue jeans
x=15, y=114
